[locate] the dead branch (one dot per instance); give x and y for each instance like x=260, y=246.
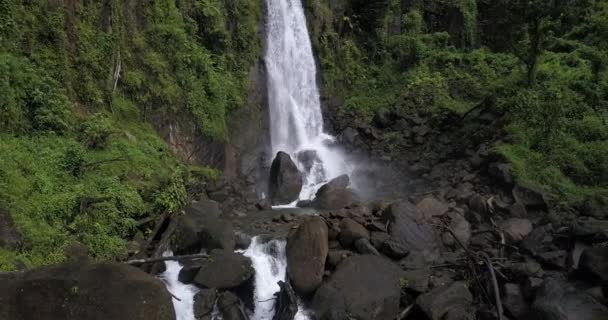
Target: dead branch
x=169, y=258
x=494, y=284
x=406, y=312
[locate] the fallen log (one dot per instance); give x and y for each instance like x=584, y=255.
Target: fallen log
x=168, y=258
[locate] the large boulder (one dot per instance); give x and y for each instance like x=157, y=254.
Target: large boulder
x=595, y=261
x=441, y=301
x=9, y=237
x=286, y=304
x=363, y=287
x=85, y=291
x=285, y=182
x=334, y=194
x=203, y=304
x=307, y=249
x=198, y=230
x=224, y=270
x=409, y=231
x=557, y=300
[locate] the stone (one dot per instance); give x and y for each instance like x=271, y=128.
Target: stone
x=74, y=291
x=591, y=229
x=597, y=208
x=285, y=183
x=595, y=261
x=231, y=307
x=349, y=135
x=408, y=231
x=377, y=238
x=334, y=257
x=334, y=195
x=242, y=240
x=530, y=197
x=224, y=270
x=363, y=287
x=351, y=231
x=431, y=207
x=515, y=229
x=204, y=301
x=286, y=303
x=514, y=301
x=416, y=280
x=502, y=172
x=363, y=246
x=478, y=204
x=439, y=301
x=557, y=300
x=556, y=258
x=263, y=204
x=307, y=250
x=461, y=228
x=10, y=238
x=204, y=207
x=518, y=210
x=195, y=231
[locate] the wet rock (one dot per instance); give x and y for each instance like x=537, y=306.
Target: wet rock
x=286, y=304
x=224, y=270
x=363, y=287
x=204, y=301
x=438, y=302
x=556, y=300
x=351, y=231
x=515, y=229
x=431, y=207
x=363, y=246
x=285, y=181
x=409, y=231
x=75, y=291
x=9, y=236
x=591, y=229
x=595, y=261
x=231, y=307
x=304, y=203
x=334, y=194
x=349, y=136
x=241, y=240
x=514, y=301
x=196, y=230
x=307, y=251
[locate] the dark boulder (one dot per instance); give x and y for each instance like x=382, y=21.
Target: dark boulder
x=408, y=230
x=286, y=304
x=351, y=231
x=224, y=270
x=502, y=172
x=196, y=230
x=204, y=301
x=557, y=300
x=9, y=236
x=441, y=301
x=307, y=251
x=285, y=183
x=531, y=197
x=335, y=257
x=597, y=208
x=334, y=194
x=231, y=307
x=363, y=246
x=204, y=207
x=514, y=301
x=595, y=261
x=363, y=287
x=85, y=291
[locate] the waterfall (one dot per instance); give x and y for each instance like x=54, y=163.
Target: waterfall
x=296, y=122
x=269, y=261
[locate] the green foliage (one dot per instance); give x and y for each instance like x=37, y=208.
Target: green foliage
x=543, y=63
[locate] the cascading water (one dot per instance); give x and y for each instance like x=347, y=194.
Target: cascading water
x=269, y=261
x=295, y=107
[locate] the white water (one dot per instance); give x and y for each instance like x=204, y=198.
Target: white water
x=183, y=309
x=295, y=107
x=270, y=263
